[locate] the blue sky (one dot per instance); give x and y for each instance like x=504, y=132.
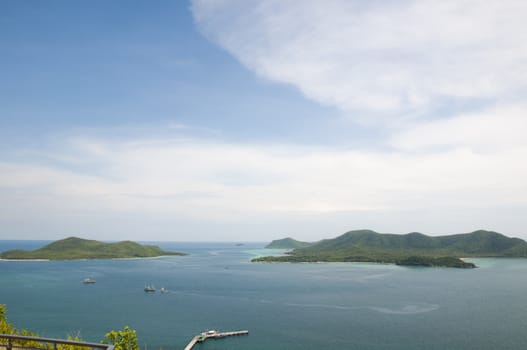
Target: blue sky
x=108, y=64
x=254, y=120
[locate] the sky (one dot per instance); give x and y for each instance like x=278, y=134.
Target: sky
x=245, y=120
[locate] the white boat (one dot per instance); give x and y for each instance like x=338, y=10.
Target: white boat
x=88, y=280
x=149, y=289
x=210, y=333
x=162, y=290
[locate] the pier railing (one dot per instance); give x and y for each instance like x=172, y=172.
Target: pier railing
x=16, y=342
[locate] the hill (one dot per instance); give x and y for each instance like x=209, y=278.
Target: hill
x=74, y=248
x=287, y=243
x=409, y=249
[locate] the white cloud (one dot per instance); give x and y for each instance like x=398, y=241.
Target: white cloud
x=397, y=58
x=489, y=131
x=149, y=181
x=444, y=80
x=459, y=167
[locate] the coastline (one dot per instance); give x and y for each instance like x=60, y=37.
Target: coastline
x=87, y=259
x=14, y=260
x=74, y=248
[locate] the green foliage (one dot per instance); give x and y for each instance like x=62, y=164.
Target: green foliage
x=287, y=243
x=8, y=328
x=71, y=347
x=78, y=248
x=446, y=261
x=125, y=339
x=410, y=249
x=5, y=327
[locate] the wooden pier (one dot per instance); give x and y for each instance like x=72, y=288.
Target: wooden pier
x=200, y=338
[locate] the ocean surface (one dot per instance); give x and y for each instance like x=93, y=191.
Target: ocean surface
x=284, y=306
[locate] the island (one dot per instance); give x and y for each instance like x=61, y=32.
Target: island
x=74, y=248
x=412, y=249
x=429, y=261
x=287, y=243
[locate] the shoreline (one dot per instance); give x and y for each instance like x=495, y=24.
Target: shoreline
x=14, y=260
x=94, y=259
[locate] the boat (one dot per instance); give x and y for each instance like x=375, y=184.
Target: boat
x=88, y=280
x=210, y=333
x=162, y=290
x=149, y=289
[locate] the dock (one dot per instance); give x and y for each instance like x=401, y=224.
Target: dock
x=200, y=338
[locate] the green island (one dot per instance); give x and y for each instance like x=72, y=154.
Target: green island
x=412, y=249
x=287, y=243
x=74, y=248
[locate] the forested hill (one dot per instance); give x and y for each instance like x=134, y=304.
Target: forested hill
x=77, y=248
x=367, y=245
x=287, y=243
x=478, y=243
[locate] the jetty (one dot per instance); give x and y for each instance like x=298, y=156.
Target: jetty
x=213, y=334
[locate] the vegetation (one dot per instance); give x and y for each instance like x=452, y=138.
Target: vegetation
x=287, y=243
x=8, y=328
x=446, y=261
x=125, y=339
x=78, y=248
x=410, y=249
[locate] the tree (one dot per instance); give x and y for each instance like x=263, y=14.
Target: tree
x=125, y=339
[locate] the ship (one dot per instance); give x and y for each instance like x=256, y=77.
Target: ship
x=149, y=289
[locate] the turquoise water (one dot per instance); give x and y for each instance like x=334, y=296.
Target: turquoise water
x=285, y=306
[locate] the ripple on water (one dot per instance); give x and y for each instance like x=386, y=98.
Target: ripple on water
x=409, y=309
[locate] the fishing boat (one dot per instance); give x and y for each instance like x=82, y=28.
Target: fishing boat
x=149, y=289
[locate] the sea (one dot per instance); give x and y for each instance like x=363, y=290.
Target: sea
x=284, y=306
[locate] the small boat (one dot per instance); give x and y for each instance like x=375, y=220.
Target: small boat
x=162, y=290
x=149, y=289
x=210, y=333
x=88, y=280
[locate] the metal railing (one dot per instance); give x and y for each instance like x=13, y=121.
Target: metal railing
x=9, y=342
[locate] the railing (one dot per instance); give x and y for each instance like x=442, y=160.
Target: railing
x=11, y=345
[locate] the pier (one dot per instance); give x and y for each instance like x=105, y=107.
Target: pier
x=200, y=338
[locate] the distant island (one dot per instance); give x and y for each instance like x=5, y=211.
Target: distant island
x=412, y=249
x=287, y=243
x=74, y=248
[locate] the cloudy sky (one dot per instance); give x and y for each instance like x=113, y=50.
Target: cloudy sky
x=241, y=120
